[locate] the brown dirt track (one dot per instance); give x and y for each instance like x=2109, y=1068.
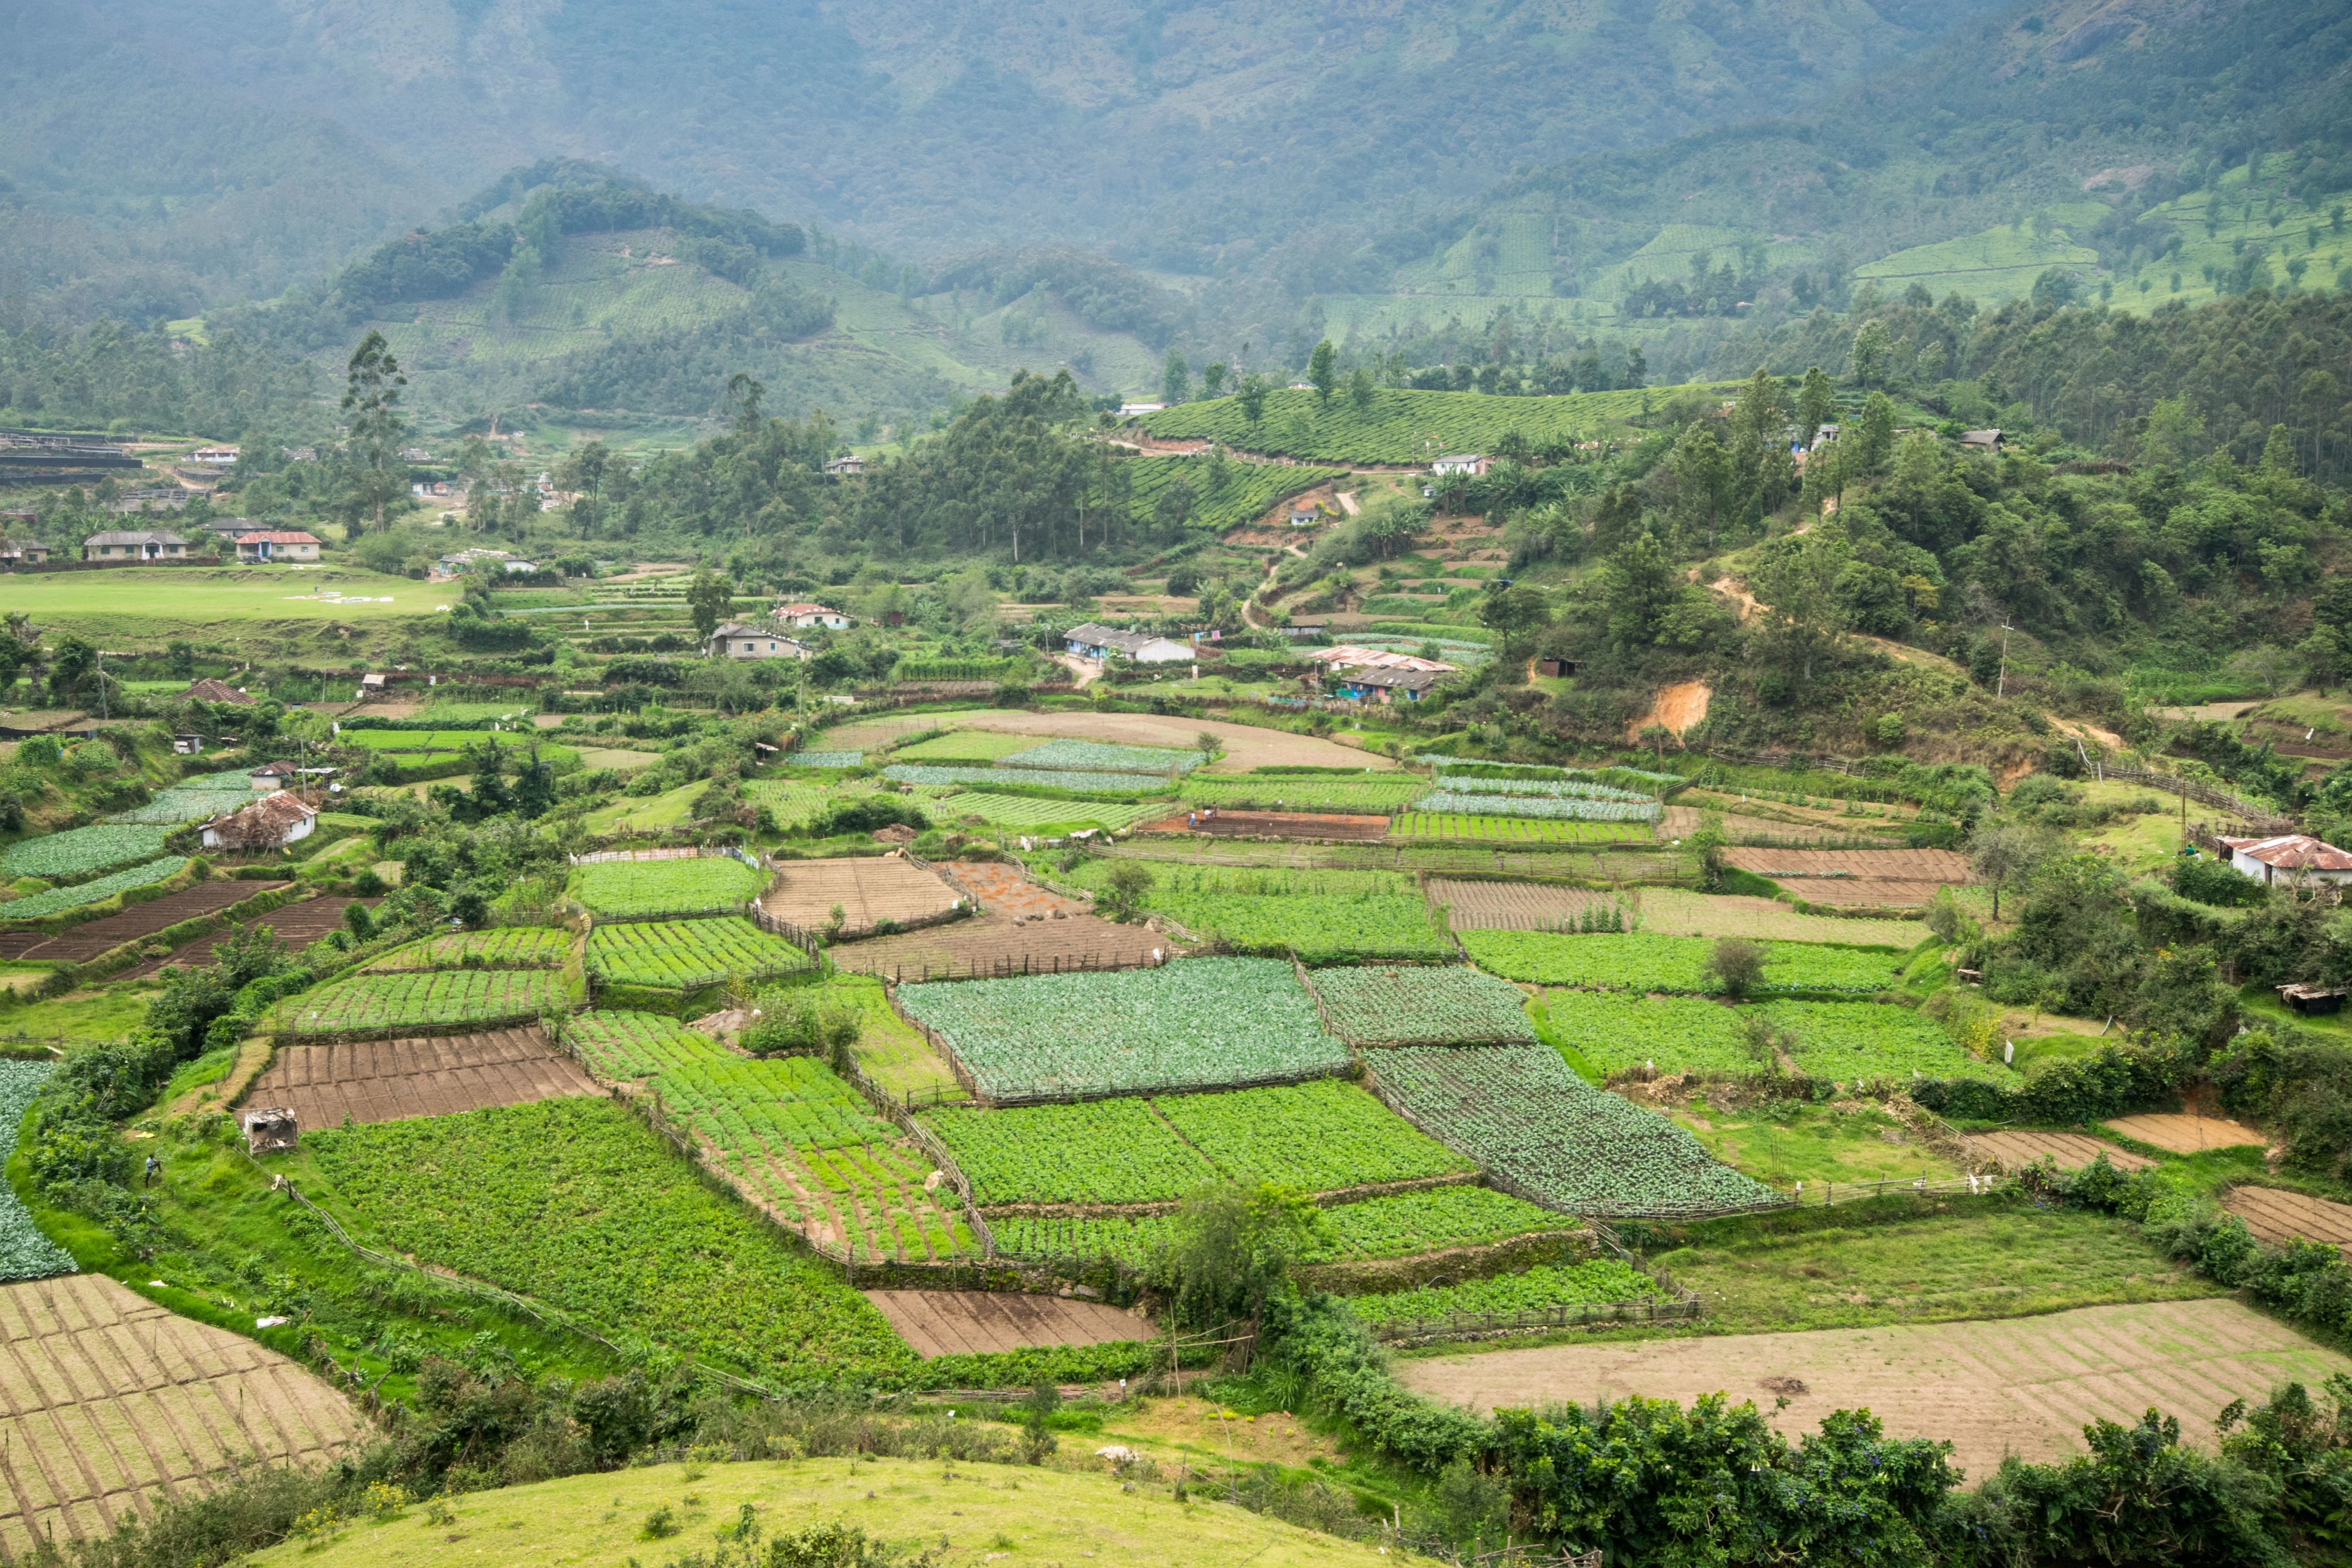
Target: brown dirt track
x=83, y=942
x=110, y=1400
x=994, y=940
x=2281, y=1216
x=2013, y=1151
x=2022, y=1385
x=297, y=925
x=967, y=1322
x=869, y=888
x=388, y=1080
x=1346, y=829
x=2179, y=1134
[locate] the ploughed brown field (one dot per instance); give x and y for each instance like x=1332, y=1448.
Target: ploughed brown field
x=1475, y=905
x=109, y=1404
x=2178, y=1133
x=1002, y=890
x=869, y=889
x=2013, y=1151
x=297, y=926
x=999, y=943
x=969, y=1322
x=1858, y=878
x=2280, y=1216
x=387, y=1081
x=83, y=942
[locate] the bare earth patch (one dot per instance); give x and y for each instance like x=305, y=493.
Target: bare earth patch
x=389, y=1081
x=296, y=926
x=869, y=889
x=80, y=943
x=1676, y=708
x=974, y=1323
x=2013, y=1151
x=1005, y=944
x=1002, y=890
x=109, y=1403
x=2283, y=1216
x=1319, y=827
x=2178, y=1133
x=1246, y=746
x=2022, y=1385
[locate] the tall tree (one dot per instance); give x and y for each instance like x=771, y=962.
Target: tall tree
x=1252, y=397
x=1816, y=404
x=1175, y=380
x=1323, y=371
x=708, y=598
x=371, y=384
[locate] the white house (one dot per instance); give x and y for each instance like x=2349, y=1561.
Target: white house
x=277, y=546
x=813, y=615
x=271, y=823
x=214, y=457
x=738, y=640
x=1470, y=464
x=2289, y=855
x=848, y=466
x=122, y=547
x=1099, y=643
x=1129, y=410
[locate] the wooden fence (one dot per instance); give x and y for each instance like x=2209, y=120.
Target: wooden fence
x=2259, y=817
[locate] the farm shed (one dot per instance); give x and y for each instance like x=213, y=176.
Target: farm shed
x=845, y=467
x=270, y=823
x=1347, y=657
x=738, y=640
x=1980, y=440
x=269, y=1129
x=122, y=546
x=2290, y=853
x=1088, y=640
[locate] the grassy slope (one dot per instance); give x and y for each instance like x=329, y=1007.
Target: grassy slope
x=155, y=602
x=1397, y=426
x=1029, y=1515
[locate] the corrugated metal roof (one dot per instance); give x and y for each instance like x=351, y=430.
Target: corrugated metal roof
x=2292, y=852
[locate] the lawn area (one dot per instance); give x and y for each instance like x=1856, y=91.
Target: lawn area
x=1822, y=1268
x=2137, y=843
x=637, y=814
x=151, y=600
x=1788, y=1141
x=107, y=1013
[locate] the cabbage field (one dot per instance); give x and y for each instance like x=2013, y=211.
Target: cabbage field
x=1319, y=927
x=1019, y=811
x=57, y=900
x=82, y=851
x=1853, y=1040
x=504, y=947
x=1097, y=756
x=1554, y=807
x=1428, y=1005
x=684, y=955
x=1677, y=1033
x=826, y=759
x=1402, y=1224
x=1595, y=1282
x=1639, y=961
x=1372, y=794
x=186, y=803
x=1200, y=1023
x=387, y=1004
x=712, y=885
x=24, y=1252
x=1081, y=783
x=1505, y=831
x=1522, y=1115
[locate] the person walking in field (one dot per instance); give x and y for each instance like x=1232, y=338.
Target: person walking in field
x=154, y=1165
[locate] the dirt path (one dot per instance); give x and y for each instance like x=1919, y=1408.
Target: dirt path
x=2022, y=1385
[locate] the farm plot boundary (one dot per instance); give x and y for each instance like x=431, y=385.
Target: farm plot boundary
x=387, y=1081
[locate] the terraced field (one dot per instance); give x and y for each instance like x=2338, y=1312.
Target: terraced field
x=386, y=1081
x=79, y=944
x=869, y=889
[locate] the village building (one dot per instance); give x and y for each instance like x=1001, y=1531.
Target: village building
x=270, y=823
x=211, y=691
x=123, y=547
x=2289, y=856
x=23, y=552
x=1470, y=464
x=1098, y=643
x=1986, y=441
x=848, y=466
x=813, y=615
x=277, y=546
x=1348, y=656
x=1385, y=685
x=739, y=639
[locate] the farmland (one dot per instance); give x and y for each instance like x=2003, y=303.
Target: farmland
x=1317, y=1137
x=1319, y=927
x=85, y=942
x=1243, y=495
x=1856, y=1040
x=1427, y=1006
x=1590, y=1283
x=387, y=1003
x=1101, y=757
x=1402, y=1224
x=1641, y=962
x=1521, y=1114
x=621, y=1046
x=1196, y=1023
x=1449, y=827
x=974, y=746
x=711, y=885
x=385, y=1080
x=504, y=947
x=1543, y=807
x=188, y=803
x=1304, y=791
x=24, y=1252
x=1075, y=782
x=685, y=955
x=57, y=900
x=1396, y=427
x=576, y=1202
x=1020, y=811
x=1675, y=1034
x=868, y=889
x=82, y=851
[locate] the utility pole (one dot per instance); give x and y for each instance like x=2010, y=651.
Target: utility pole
x=2001, y=685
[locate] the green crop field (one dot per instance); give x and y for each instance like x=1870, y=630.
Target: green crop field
x=1123, y=785
x=387, y=1004
x=1317, y=1137
x=576, y=1202
x=57, y=900
x=158, y=601
x=1521, y=1114
x=796, y=804
x=1396, y=427
x=1536, y=799
x=1319, y=929
x=965, y=746
x=1638, y=961
x=1592, y=1283
x=1675, y=1034
x=683, y=955
x=1402, y=1224
x=791, y=1130
x=1853, y=1040
x=1430, y=1004
x=1377, y=795
x=505, y=947
x=1101, y=757
x=1430, y=827
x=1026, y=812
x=711, y=885
x=435, y=740
x=24, y=1252
x=82, y=851
x=186, y=803
x=1218, y=495
x=1193, y=1023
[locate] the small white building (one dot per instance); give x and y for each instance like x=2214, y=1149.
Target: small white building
x=1090, y=641
x=738, y=640
x=1469, y=465
x=271, y=823
x=847, y=467
x=1130, y=410
x=275, y=545
x=123, y=546
x=2288, y=856
x=813, y=615
x=214, y=457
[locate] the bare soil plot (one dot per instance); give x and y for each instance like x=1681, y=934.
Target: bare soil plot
x=1682, y=821
x=109, y=1403
x=1890, y=865
x=1276, y=825
x=869, y=889
x=1246, y=745
x=2022, y=1385
x=387, y=1081
x=297, y=926
x=83, y=942
x=1475, y=905
x=971, y=1323
x=2282, y=1217
x=997, y=942
x=2012, y=1150
x=2175, y=1133
x=1002, y=890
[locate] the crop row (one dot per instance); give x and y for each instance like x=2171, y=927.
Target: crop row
x=620, y=888
x=1320, y=929
x=1568, y=808
x=1402, y=1224
x=1641, y=960
x=82, y=851
x=1376, y=795
x=24, y=1252
x=1426, y=1004
x=391, y=1001
x=1050, y=778
x=826, y=759
x=1560, y=789
x=1028, y=811
x=576, y=1202
x=1245, y=495
x=503, y=947
x=682, y=954
x=1590, y=1283
x=1193, y=1024
x=1395, y=427
x=1522, y=1115
x=1101, y=757
x=57, y=900
x=171, y=807
x=619, y=1046
x=1512, y=829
